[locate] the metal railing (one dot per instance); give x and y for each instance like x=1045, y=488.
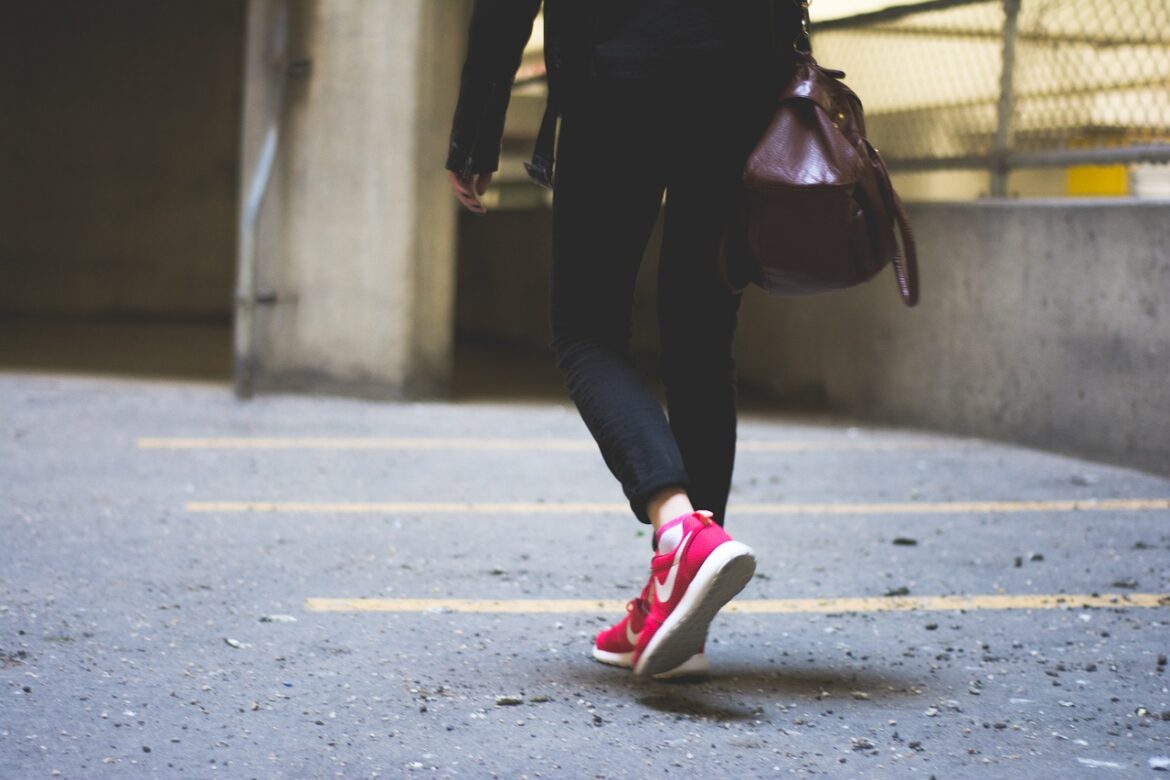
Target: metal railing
x=1000, y=85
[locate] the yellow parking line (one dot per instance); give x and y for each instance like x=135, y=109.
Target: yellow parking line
x=754, y=606
x=958, y=507
x=362, y=443
x=402, y=507
x=478, y=507
x=843, y=446
x=482, y=443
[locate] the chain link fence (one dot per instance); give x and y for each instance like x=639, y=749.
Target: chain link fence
x=1000, y=85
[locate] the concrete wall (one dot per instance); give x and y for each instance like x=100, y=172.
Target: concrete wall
x=358, y=232
x=1044, y=323
x=119, y=147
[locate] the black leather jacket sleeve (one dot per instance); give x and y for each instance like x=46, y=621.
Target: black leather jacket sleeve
x=495, y=44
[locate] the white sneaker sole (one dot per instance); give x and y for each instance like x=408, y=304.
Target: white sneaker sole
x=727, y=570
x=694, y=666
x=613, y=659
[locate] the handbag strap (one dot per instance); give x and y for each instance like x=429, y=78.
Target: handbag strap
x=905, y=260
x=906, y=267
x=803, y=41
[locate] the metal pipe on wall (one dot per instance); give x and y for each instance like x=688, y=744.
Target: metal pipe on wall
x=275, y=57
x=278, y=66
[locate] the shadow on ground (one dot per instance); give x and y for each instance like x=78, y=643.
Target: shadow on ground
x=714, y=696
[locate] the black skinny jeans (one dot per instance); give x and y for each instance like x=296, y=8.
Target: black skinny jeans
x=620, y=147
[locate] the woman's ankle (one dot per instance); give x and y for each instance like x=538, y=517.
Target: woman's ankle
x=667, y=504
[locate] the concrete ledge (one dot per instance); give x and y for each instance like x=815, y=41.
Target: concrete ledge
x=1042, y=322
x=1045, y=323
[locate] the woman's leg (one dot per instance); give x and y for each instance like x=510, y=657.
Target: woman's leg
x=608, y=193
x=697, y=314
x=697, y=326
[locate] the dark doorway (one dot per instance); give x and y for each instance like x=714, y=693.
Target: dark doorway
x=119, y=196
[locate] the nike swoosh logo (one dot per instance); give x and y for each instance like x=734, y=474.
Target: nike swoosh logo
x=665, y=589
x=631, y=637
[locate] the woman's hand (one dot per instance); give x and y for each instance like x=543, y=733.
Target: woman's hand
x=468, y=190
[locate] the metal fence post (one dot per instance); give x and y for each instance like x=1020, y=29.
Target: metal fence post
x=1007, y=100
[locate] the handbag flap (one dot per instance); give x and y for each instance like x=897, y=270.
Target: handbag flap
x=823, y=87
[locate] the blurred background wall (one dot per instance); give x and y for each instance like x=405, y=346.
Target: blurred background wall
x=135, y=133
x=252, y=191
x=120, y=144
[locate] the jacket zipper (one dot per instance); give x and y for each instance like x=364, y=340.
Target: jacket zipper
x=469, y=162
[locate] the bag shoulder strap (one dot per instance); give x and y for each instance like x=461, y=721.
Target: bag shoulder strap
x=906, y=259
x=905, y=267
x=803, y=42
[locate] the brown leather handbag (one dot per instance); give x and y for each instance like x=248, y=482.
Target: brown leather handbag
x=819, y=211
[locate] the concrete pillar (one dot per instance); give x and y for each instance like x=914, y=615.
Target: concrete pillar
x=355, y=243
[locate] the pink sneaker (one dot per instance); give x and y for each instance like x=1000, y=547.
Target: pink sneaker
x=615, y=645
x=687, y=587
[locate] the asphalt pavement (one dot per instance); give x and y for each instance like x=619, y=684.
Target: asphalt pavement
x=294, y=587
